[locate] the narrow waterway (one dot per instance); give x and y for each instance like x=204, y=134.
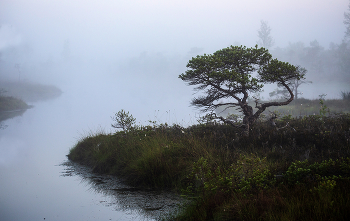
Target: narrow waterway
x=38, y=183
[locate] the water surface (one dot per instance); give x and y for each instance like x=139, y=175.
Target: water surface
x=38, y=183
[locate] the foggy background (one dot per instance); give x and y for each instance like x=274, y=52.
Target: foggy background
x=127, y=54
x=108, y=55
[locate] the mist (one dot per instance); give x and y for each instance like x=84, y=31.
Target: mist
x=130, y=53
x=127, y=54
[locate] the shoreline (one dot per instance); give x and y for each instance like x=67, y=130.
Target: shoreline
x=15, y=95
x=10, y=104
x=18, y=110
x=206, y=163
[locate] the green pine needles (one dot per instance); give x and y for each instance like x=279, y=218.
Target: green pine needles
x=123, y=120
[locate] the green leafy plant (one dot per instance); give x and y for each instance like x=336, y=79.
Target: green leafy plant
x=324, y=188
x=303, y=172
x=249, y=174
x=324, y=109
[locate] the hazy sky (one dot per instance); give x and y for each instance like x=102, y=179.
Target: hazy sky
x=127, y=27
x=141, y=46
x=108, y=55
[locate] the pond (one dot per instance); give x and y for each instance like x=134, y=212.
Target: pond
x=37, y=182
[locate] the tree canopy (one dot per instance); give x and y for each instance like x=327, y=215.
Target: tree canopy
x=228, y=76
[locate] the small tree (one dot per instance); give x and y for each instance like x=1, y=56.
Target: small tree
x=265, y=39
x=226, y=77
x=347, y=22
x=343, y=52
x=123, y=120
x=18, y=67
x=293, y=85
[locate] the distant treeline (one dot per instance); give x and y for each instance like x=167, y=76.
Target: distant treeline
x=29, y=92
x=322, y=64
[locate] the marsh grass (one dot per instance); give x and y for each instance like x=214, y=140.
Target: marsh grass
x=284, y=174
x=148, y=156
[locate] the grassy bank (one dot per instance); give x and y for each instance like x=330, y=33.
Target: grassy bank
x=300, y=172
x=12, y=104
x=30, y=92
x=11, y=107
x=14, y=95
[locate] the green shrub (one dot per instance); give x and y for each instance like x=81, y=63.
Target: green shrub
x=304, y=172
x=248, y=174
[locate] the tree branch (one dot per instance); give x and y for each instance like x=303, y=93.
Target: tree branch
x=263, y=106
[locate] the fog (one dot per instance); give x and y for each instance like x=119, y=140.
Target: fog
x=109, y=55
x=130, y=53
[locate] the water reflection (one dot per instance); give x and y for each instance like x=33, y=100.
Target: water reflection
x=4, y=115
x=147, y=203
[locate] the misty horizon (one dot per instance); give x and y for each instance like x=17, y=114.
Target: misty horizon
x=132, y=52
x=77, y=63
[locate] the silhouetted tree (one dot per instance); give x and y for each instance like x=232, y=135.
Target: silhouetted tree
x=123, y=120
x=314, y=56
x=343, y=54
x=344, y=47
x=227, y=78
x=265, y=39
x=18, y=67
x=347, y=22
x=293, y=84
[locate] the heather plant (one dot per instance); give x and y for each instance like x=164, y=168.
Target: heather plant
x=249, y=174
x=304, y=172
x=211, y=186
x=248, y=191
x=324, y=190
